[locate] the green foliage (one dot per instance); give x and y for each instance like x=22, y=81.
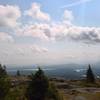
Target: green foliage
x=90, y=76
x=53, y=93
x=17, y=93
x=40, y=88
x=4, y=82
x=3, y=72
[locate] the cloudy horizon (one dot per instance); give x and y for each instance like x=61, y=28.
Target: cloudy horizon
x=49, y=32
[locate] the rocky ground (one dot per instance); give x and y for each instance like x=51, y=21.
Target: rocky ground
x=78, y=90
x=69, y=89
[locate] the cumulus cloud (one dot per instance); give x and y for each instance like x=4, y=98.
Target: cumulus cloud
x=36, y=31
x=42, y=31
x=86, y=35
x=61, y=31
x=36, y=13
x=89, y=35
x=46, y=31
x=4, y=37
x=68, y=17
x=9, y=15
x=53, y=31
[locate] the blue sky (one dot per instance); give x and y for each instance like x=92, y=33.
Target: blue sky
x=49, y=31
x=86, y=12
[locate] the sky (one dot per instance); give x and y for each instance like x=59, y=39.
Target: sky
x=47, y=32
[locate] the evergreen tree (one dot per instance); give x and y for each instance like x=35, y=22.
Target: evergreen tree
x=3, y=72
x=38, y=86
x=4, y=82
x=41, y=89
x=18, y=73
x=90, y=76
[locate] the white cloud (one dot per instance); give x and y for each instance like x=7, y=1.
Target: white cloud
x=36, y=31
x=38, y=49
x=61, y=31
x=28, y=50
x=9, y=15
x=68, y=17
x=36, y=13
x=4, y=37
x=89, y=35
x=23, y=50
x=16, y=53
x=48, y=31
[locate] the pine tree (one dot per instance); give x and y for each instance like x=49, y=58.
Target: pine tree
x=3, y=72
x=90, y=76
x=18, y=73
x=38, y=86
x=41, y=89
x=4, y=82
